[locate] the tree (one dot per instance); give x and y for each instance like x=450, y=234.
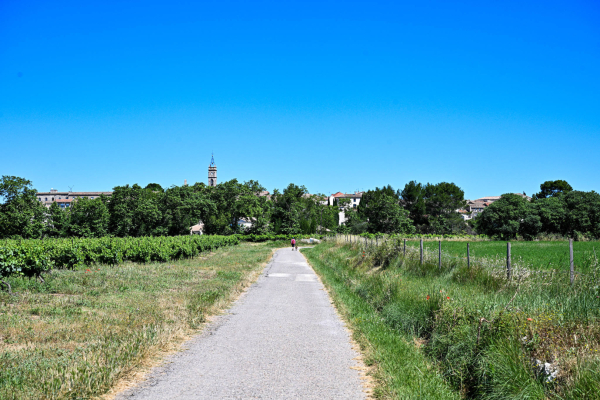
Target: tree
x=433, y=207
x=155, y=187
x=381, y=208
x=287, y=208
x=134, y=212
x=412, y=200
x=57, y=222
x=552, y=189
x=21, y=214
x=507, y=217
x=553, y=213
x=583, y=214
x=182, y=207
x=88, y=218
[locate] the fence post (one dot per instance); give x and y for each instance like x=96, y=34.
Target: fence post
x=571, y=264
x=376, y=241
x=421, y=248
x=365, y=242
x=404, y=247
x=468, y=256
x=440, y=255
x=508, y=260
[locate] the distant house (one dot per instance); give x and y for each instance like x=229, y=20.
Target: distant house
x=476, y=208
x=244, y=223
x=197, y=229
x=491, y=199
x=353, y=197
x=354, y=201
x=265, y=193
x=47, y=198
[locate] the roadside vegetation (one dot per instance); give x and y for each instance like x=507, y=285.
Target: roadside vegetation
x=460, y=332
x=84, y=329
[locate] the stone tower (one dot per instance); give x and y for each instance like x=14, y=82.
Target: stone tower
x=212, y=172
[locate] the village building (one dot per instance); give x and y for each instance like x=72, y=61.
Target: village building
x=65, y=199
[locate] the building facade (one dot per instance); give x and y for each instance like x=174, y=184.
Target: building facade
x=65, y=199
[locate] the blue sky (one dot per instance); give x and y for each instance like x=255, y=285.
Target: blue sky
x=336, y=95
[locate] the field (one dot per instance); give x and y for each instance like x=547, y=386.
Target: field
x=84, y=330
x=531, y=255
x=460, y=332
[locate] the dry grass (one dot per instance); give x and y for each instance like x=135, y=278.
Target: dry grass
x=82, y=332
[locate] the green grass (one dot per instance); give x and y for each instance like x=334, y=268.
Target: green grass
x=530, y=255
x=403, y=372
x=81, y=331
x=535, y=318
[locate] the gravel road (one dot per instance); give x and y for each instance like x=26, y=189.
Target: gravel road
x=281, y=340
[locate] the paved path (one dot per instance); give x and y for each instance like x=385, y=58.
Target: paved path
x=281, y=340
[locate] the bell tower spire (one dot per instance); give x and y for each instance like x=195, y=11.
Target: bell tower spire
x=212, y=172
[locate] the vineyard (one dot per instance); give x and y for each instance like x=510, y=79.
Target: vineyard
x=32, y=257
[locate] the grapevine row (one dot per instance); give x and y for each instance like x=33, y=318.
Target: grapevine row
x=32, y=257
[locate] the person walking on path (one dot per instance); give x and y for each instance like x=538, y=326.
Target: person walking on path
x=293, y=243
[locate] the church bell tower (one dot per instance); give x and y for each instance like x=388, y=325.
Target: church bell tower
x=212, y=172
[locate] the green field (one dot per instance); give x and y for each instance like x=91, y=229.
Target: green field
x=530, y=255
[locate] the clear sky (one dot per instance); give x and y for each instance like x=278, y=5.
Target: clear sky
x=495, y=96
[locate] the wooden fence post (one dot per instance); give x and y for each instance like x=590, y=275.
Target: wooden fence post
x=468, y=256
x=571, y=263
x=440, y=255
x=508, y=260
x=421, y=248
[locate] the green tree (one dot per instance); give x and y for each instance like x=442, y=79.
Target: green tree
x=184, y=206
x=413, y=201
x=553, y=213
x=88, y=218
x=155, y=187
x=134, y=211
x=57, y=222
x=583, y=214
x=286, y=209
x=21, y=213
x=433, y=207
x=552, y=189
x=507, y=217
x=381, y=208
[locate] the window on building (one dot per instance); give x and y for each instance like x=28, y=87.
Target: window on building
x=92, y=198
x=46, y=199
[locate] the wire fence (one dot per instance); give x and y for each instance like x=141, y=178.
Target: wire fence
x=498, y=266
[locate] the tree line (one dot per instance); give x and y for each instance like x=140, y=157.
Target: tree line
x=135, y=211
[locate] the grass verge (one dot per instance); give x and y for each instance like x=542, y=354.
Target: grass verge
x=82, y=331
x=459, y=332
x=401, y=370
